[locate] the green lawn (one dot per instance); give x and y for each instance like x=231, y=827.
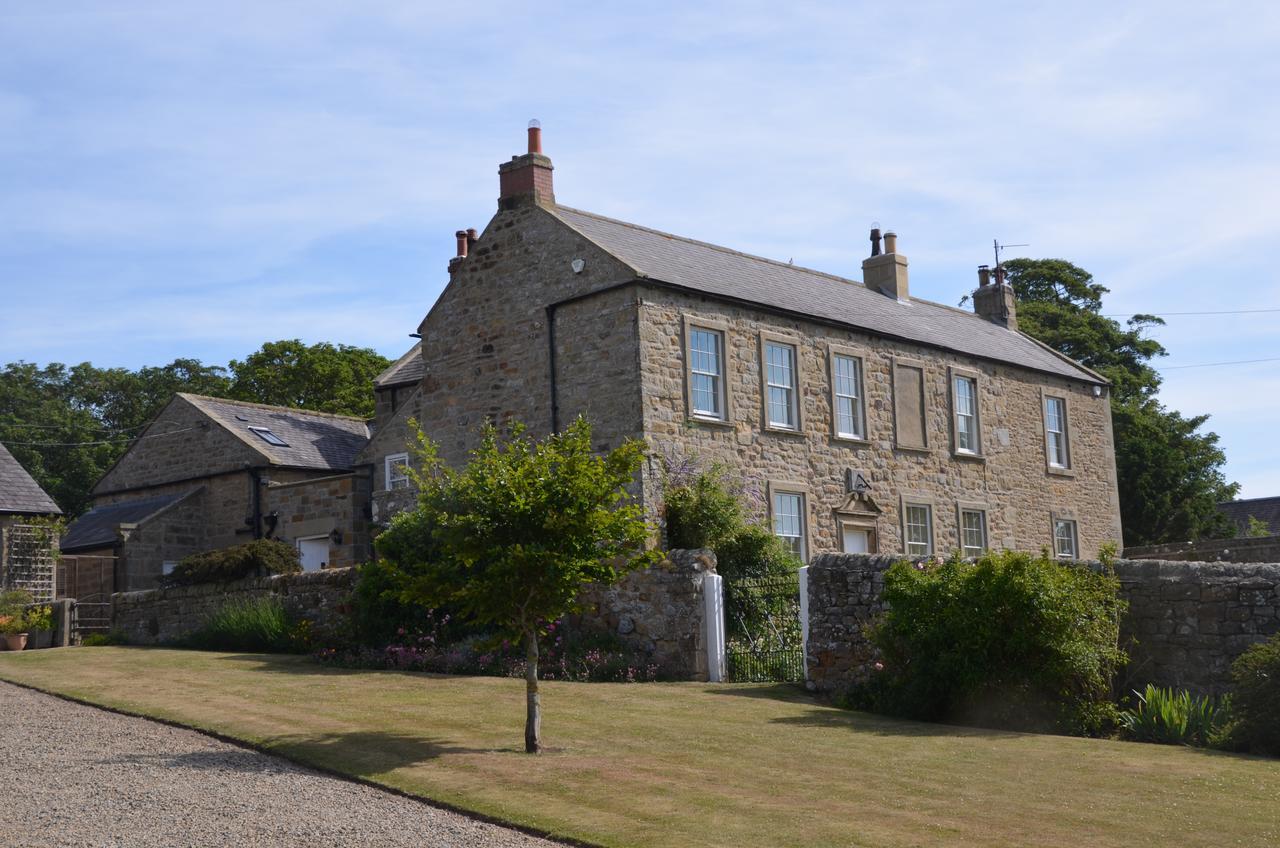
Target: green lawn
x=686, y=764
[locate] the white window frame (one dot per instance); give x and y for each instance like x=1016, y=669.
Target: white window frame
x=266, y=434
x=1059, y=438
x=792, y=389
x=716, y=376
x=908, y=524
x=1073, y=528
x=801, y=541
x=856, y=401
x=391, y=479
x=720, y=330
x=959, y=419
x=965, y=548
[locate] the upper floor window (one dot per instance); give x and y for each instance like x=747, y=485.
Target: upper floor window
x=788, y=520
x=398, y=471
x=706, y=372
x=973, y=532
x=846, y=385
x=965, y=397
x=780, y=385
x=1065, y=542
x=918, y=529
x=1055, y=432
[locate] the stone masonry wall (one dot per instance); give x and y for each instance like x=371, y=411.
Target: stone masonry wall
x=1011, y=480
x=1242, y=549
x=179, y=531
x=317, y=507
x=660, y=610
x=159, y=616
x=1186, y=621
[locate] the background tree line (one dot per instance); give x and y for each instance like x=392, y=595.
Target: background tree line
x=68, y=424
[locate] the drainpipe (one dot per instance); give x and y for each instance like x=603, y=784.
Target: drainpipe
x=255, y=475
x=551, y=351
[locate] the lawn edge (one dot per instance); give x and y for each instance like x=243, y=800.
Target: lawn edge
x=320, y=769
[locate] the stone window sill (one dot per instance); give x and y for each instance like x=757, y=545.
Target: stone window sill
x=913, y=449
x=964, y=456
x=698, y=420
x=851, y=441
x=784, y=431
x=1060, y=472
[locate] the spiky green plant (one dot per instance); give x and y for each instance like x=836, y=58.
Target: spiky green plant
x=1170, y=717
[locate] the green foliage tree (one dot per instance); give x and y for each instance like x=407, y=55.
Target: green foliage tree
x=322, y=376
x=1170, y=473
x=512, y=539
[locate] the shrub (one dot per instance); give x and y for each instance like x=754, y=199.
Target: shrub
x=40, y=618
x=258, y=558
x=1255, y=702
x=1010, y=640
x=100, y=640
x=1174, y=718
x=705, y=509
x=380, y=614
x=13, y=605
x=252, y=624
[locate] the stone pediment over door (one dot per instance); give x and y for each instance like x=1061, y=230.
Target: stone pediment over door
x=857, y=517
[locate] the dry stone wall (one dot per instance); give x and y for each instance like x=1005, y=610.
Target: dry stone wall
x=1243, y=549
x=159, y=616
x=1186, y=621
x=660, y=611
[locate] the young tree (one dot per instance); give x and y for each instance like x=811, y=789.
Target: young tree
x=1170, y=474
x=512, y=539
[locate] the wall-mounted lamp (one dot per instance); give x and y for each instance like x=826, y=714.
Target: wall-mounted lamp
x=336, y=536
x=1097, y=391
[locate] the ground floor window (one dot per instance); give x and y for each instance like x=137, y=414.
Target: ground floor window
x=973, y=532
x=788, y=520
x=1065, y=539
x=918, y=526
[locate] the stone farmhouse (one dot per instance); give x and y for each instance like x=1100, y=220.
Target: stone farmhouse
x=874, y=420
x=209, y=473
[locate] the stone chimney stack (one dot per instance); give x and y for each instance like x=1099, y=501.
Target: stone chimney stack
x=886, y=272
x=526, y=179
x=994, y=300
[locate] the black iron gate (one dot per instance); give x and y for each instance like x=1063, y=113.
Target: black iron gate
x=762, y=629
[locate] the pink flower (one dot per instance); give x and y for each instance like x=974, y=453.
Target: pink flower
x=879, y=666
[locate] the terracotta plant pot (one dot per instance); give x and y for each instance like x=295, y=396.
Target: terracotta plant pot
x=15, y=641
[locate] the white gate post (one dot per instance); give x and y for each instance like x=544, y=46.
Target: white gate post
x=804, y=619
x=713, y=625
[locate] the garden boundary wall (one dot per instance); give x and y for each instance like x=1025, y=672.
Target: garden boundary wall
x=1263, y=549
x=663, y=611
x=671, y=611
x=1185, y=624
x=157, y=616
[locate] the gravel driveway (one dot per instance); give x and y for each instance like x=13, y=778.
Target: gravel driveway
x=77, y=776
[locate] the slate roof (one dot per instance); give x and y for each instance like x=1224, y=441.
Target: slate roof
x=19, y=492
x=407, y=369
x=1263, y=509
x=97, y=527
x=316, y=440
x=714, y=270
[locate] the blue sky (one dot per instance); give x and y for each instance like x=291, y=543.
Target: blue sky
x=195, y=179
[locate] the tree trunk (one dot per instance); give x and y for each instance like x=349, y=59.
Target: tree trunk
x=533, y=715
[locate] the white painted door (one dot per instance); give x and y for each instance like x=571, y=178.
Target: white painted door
x=856, y=541
x=314, y=552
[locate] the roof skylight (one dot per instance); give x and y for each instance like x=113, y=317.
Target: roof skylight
x=269, y=437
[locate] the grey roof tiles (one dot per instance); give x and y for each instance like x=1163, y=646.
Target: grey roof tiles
x=97, y=527
x=719, y=271
x=1266, y=510
x=407, y=369
x=19, y=492
x=316, y=440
